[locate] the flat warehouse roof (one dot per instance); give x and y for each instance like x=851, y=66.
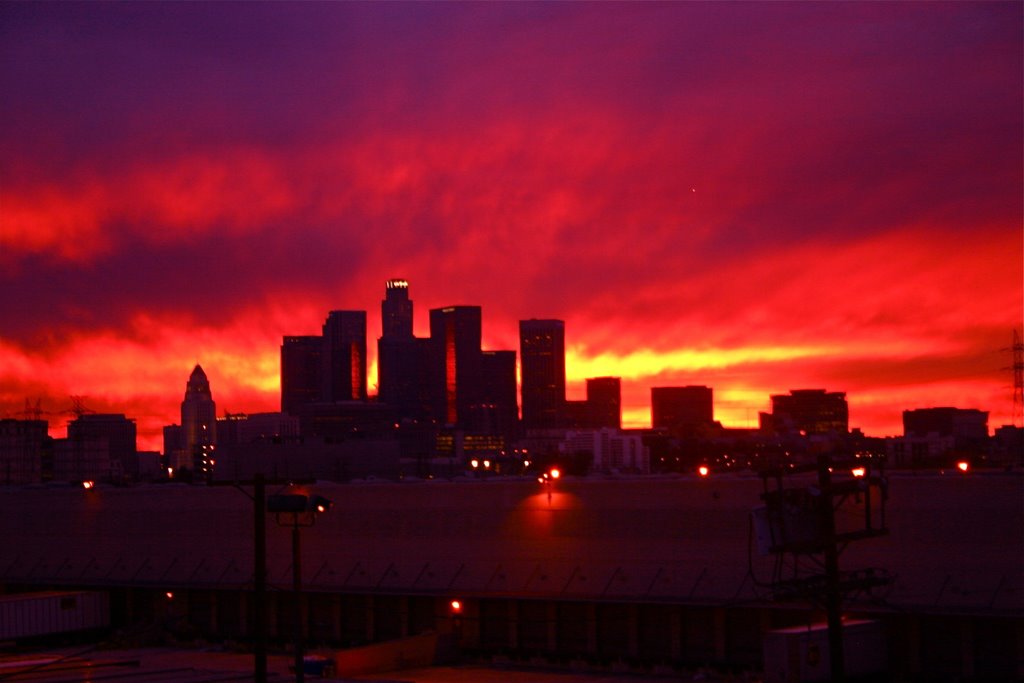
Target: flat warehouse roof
x=955, y=541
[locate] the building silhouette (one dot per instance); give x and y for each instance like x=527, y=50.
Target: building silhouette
x=808, y=412
x=456, y=383
x=198, y=424
x=682, y=410
x=498, y=410
x=604, y=397
x=24, y=446
x=396, y=310
x=939, y=437
x=403, y=360
x=344, y=356
x=118, y=436
x=542, y=354
x=960, y=423
x=301, y=370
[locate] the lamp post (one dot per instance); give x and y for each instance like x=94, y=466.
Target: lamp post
x=300, y=510
x=548, y=480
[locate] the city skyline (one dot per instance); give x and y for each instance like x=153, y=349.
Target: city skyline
x=754, y=198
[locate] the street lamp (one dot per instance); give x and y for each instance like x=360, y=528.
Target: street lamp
x=303, y=510
x=548, y=480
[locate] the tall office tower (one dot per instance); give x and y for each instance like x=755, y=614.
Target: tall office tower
x=301, y=367
x=542, y=354
x=403, y=361
x=604, y=401
x=119, y=434
x=682, y=409
x=498, y=410
x=396, y=310
x=811, y=411
x=344, y=356
x=455, y=349
x=198, y=422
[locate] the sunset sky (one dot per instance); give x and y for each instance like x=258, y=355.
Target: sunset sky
x=754, y=197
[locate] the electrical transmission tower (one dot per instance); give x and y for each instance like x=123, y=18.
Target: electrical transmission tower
x=1018, y=380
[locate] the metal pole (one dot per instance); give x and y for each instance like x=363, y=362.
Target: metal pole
x=833, y=608
x=259, y=502
x=296, y=589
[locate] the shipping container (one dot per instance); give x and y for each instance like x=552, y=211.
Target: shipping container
x=24, y=615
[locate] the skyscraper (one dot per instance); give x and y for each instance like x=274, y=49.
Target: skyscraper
x=198, y=421
x=498, y=411
x=301, y=368
x=542, y=354
x=396, y=310
x=403, y=361
x=344, y=356
x=455, y=334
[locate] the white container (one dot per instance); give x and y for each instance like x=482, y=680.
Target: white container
x=801, y=654
x=23, y=615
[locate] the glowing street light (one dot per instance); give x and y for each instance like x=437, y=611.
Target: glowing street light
x=858, y=471
x=703, y=470
x=548, y=480
x=963, y=466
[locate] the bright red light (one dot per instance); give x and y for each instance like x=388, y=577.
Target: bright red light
x=963, y=466
x=456, y=606
x=88, y=484
x=703, y=470
x=555, y=474
x=857, y=471
x=170, y=595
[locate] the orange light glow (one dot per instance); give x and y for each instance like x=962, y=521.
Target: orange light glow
x=555, y=473
x=456, y=606
x=857, y=471
x=88, y=484
x=703, y=470
x=963, y=466
x=169, y=595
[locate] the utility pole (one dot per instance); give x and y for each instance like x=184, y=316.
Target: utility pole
x=833, y=597
x=300, y=670
x=801, y=521
x=259, y=502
